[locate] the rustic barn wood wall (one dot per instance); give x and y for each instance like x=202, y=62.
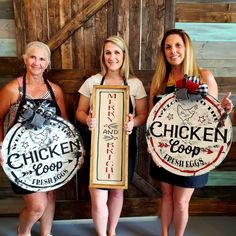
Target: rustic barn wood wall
x=75, y=30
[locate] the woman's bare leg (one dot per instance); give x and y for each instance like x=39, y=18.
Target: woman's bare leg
x=35, y=204
x=182, y=198
x=115, y=204
x=99, y=210
x=47, y=218
x=166, y=208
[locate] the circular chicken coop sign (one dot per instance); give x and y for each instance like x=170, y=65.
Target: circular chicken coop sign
x=42, y=159
x=188, y=137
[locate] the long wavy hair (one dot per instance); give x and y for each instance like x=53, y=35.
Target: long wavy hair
x=163, y=68
x=126, y=70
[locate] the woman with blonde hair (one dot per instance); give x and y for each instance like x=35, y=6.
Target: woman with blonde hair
x=28, y=88
x=115, y=70
x=175, y=60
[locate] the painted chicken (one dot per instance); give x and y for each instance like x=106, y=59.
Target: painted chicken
x=40, y=138
x=186, y=113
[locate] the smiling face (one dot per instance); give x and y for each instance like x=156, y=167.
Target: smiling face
x=113, y=57
x=174, y=49
x=36, y=61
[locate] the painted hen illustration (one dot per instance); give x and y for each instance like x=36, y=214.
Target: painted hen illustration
x=40, y=138
x=186, y=114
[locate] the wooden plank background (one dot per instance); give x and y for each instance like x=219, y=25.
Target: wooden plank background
x=76, y=40
x=213, y=45
x=212, y=27
x=7, y=30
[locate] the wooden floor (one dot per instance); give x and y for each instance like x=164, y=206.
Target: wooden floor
x=135, y=226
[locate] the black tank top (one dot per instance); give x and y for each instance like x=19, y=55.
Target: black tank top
x=51, y=106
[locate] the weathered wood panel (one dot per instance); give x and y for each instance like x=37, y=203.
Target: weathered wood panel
x=222, y=178
x=56, y=22
x=7, y=47
x=213, y=32
x=220, y=68
x=112, y=22
x=79, y=19
x=10, y=66
x=6, y=10
x=53, y=17
x=30, y=11
x=20, y=27
x=135, y=33
x=123, y=19
x=206, y=12
x=66, y=48
x=211, y=50
x=152, y=31
x=101, y=20
x=7, y=29
x=90, y=40
x=213, y=45
x=79, y=58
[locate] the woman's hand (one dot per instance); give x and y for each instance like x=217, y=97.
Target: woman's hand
x=91, y=122
x=227, y=103
x=129, y=125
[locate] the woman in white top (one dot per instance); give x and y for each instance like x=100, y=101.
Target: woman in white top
x=115, y=70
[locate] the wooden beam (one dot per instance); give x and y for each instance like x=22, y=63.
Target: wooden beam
x=10, y=66
x=170, y=14
x=145, y=187
x=206, y=12
x=20, y=29
x=62, y=35
x=71, y=79
x=6, y=10
x=79, y=209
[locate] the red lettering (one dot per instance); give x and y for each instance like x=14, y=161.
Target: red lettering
x=109, y=168
x=110, y=144
x=111, y=96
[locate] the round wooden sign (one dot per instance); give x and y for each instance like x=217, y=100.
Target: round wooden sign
x=188, y=137
x=45, y=158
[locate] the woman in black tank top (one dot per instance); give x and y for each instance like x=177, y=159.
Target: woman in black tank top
x=38, y=205
x=176, y=59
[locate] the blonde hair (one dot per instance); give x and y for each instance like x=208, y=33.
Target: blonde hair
x=40, y=45
x=163, y=68
x=126, y=70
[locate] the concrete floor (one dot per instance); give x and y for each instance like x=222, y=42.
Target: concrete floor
x=135, y=226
